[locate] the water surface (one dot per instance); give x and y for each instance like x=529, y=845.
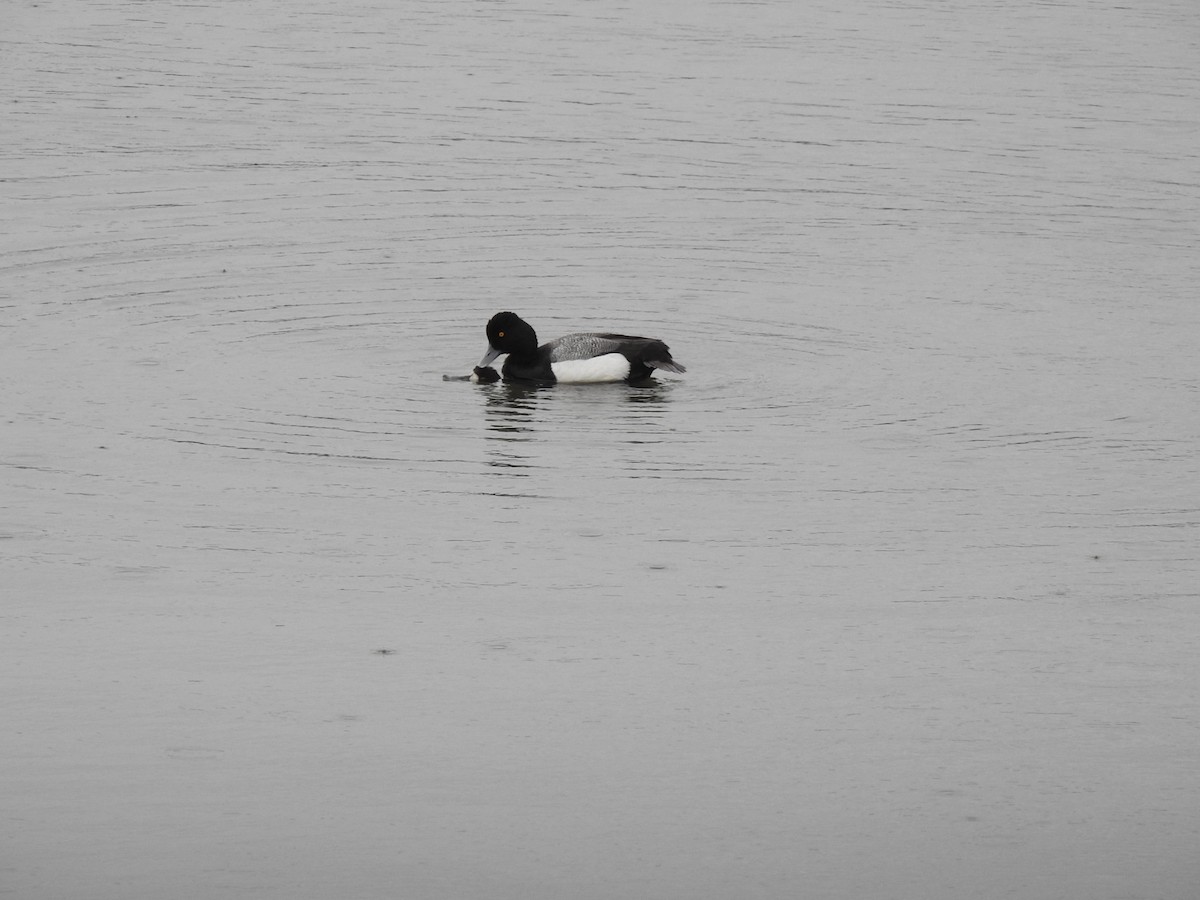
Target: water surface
x=892, y=595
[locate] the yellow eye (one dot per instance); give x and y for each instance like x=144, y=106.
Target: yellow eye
x=499, y=334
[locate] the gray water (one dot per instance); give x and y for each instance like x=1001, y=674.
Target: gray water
x=893, y=595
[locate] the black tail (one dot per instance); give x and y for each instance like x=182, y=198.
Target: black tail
x=667, y=365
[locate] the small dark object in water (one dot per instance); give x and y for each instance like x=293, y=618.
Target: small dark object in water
x=481, y=375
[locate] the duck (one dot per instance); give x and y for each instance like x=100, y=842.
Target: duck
x=582, y=358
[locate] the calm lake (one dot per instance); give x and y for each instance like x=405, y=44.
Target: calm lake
x=893, y=596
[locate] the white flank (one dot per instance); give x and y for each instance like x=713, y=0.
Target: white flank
x=597, y=370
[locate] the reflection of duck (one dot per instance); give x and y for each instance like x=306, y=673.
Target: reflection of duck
x=510, y=412
x=574, y=358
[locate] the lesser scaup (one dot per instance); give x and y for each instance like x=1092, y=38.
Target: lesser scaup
x=574, y=358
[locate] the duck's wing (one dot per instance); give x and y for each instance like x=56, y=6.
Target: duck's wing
x=649, y=352
x=584, y=346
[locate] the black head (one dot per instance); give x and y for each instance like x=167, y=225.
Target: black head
x=509, y=333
